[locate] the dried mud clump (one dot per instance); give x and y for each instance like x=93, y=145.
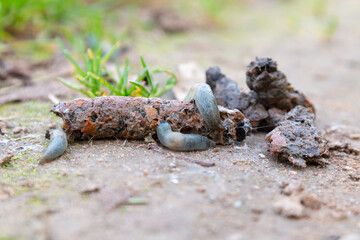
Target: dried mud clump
x=269, y=98
x=297, y=139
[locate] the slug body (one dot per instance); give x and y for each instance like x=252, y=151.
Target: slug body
x=181, y=142
x=56, y=148
x=206, y=103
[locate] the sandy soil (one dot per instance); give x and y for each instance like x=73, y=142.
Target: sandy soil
x=118, y=189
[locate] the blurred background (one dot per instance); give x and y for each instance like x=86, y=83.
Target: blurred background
x=158, y=26
x=315, y=42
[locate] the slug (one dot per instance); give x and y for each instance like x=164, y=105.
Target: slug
x=181, y=142
x=206, y=103
x=56, y=148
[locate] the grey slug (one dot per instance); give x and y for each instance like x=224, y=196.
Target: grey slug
x=181, y=142
x=206, y=103
x=56, y=147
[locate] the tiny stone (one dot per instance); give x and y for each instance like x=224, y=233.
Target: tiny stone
x=257, y=211
x=262, y=155
x=90, y=188
x=212, y=198
x=354, y=176
x=201, y=190
x=293, y=188
x=237, y=204
x=52, y=126
x=6, y=159
x=347, y=168
x=18, y=130
x=3, y=127
x=174, y=179
x=289, y=207
x=6, y=191
x=309, y=200
x=27, y=183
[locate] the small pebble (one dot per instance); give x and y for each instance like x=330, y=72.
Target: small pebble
x=18, y=130
x=257, y=211
x=6, y=159
x=311, y=201
x=52, y=126
x=6, y=191
x=174, y=179
x=262, y=155
x=3, y=127
x=354, y=176
x=289, y=207
x=347, y=168
x=237, y=204
x=212, y=198
x=90, y=188
x=294, y=187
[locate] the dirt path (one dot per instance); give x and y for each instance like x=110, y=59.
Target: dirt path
x=132, y=190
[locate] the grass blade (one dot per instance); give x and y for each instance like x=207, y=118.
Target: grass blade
x=71, y=59
x=75, y=87
x=147, y=73
x=110, y=53
x=125, y=76
x=105, y=82
x=169, y=84
x=84, y=82
x=141, y=87
x=139, y=79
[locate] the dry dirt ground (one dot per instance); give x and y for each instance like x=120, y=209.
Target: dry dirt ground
x=118, y=189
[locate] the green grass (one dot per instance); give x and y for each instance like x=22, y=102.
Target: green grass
x=7, y=238
x=31, y=25
x=95, y=79
x=33, y=18
x=28, y=111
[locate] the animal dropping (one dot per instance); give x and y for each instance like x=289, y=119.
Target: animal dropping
x=270, y=97
x=296, y=139
x=196, y=123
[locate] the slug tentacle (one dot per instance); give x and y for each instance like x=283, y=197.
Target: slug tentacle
x=56, y=148
x=206, y=103
x=181, y=142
